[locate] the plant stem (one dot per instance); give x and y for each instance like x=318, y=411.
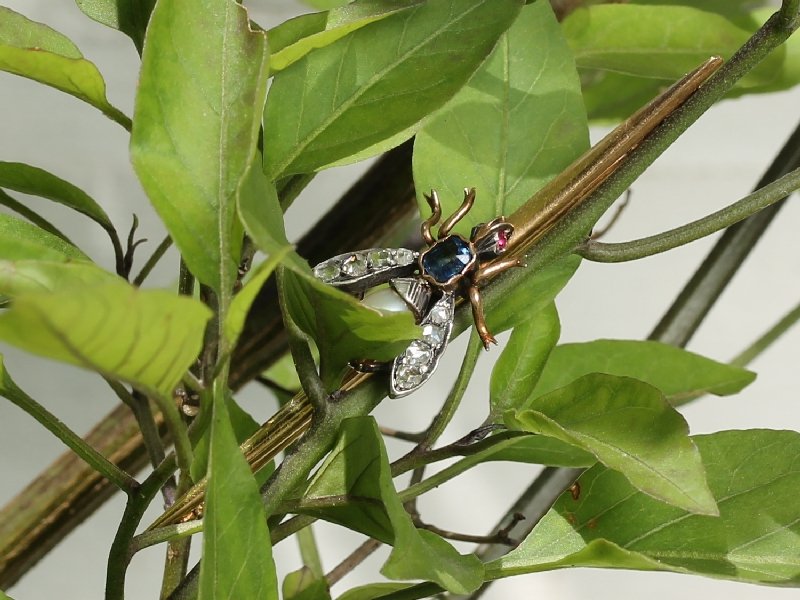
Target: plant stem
x=684, y=316
x=445, y=415
x=165, y=534
x=120, y=554
x=746, y=356
x=309, y=552
x=301, y=352
x=722, y=219
x=119, y=117
x=353, y=560
x=152, y=261
x=10, y=390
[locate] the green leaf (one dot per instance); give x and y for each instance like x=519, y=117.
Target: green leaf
x=372, y=591
x=260, y=212
x=244, y=425
x=303, y=585
x=326, y=4
x=300, y=36
x=629, y=427
x=358, y=468
x=38, y=182
x=678, y=373
x=20, y=240
x=518, y=122
x=24, y=276
x=283, y=373
x=523, y=358
x=376, y=82
x=196, y=126
x=4, y=596
x=32, y=216
x=145, y=337
x=128, y=16
x=343, y=328
x=240, y=306
x=613, y=525
x=36, y=51
x=538, y=450
x=534, y=292
x=633, y=39
x=237, y=553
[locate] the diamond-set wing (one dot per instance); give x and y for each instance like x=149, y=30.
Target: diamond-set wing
x=354, y=272
x=415, y=366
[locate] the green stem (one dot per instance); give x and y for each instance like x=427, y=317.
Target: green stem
x=445, y=415
x=454, y=450
x=120, y=554
x=118, y=116
x=301, y=352
x=152, y=261
x=695, y=300
x=119, y=254
x=310, y=449
x=144, y=418
x=309, y=552
x=73, y=441
x=165, y=534
x=177, y=555
x=290, y=527
x=722, y=219
x=747, y=355
x=789, y=13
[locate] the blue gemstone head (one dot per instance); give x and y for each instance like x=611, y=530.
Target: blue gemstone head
x=446, y=259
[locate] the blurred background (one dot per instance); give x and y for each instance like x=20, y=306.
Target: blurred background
x=714, y=164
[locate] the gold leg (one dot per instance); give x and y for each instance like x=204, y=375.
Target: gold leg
x=436, y=213
x=477, y=314
x=485, y=273
x=469, y=200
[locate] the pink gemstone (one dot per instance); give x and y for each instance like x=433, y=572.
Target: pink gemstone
x=502, y=239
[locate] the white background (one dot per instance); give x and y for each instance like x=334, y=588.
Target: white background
x=714, y=164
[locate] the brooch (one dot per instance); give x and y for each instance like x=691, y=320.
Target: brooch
x=426, y=283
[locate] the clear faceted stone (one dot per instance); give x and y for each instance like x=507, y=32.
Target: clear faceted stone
x=407, y=377
x=355, y=265
x=440, y=314
x=433, y=335
x=418, y=355
x=404, y=256
x=380, y=258
x=327, y=271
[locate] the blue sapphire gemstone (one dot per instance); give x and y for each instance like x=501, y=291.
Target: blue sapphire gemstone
x=447, y=258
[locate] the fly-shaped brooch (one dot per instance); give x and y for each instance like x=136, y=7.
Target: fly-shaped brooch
x=427, y=283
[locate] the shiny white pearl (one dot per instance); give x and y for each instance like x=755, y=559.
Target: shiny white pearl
x=385, y=299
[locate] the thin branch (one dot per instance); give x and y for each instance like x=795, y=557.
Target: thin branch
x=152, y=261
x=165, y=534
x=301, y=353
x=790, y=13
x=352, y=561
x=405, y=436
x=679, y=236
x=120, y=554
x=746, y=356
x=692, y=304
x=445, y=415
x=72, y=440
x=309, y=552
